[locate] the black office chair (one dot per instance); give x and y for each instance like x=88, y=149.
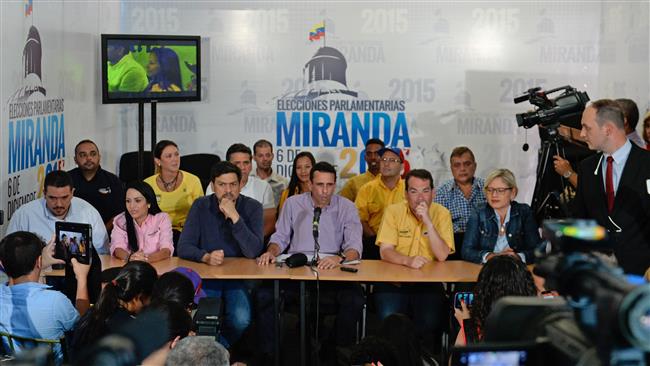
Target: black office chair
x=129, y=166
x=200, y=165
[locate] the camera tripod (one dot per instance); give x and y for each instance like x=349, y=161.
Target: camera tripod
x=549, y=186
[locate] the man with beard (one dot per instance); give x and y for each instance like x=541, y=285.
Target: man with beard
x=376, y=195
x=58, y=204
x=371, y=156
x=102, y=189
x=224, y=224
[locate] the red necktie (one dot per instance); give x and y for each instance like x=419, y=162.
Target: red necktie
x=609, y=184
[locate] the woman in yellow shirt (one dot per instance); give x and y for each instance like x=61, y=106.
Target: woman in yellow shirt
x=299, y=182
x=175, y=189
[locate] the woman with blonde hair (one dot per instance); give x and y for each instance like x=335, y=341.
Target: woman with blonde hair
x=503, y=226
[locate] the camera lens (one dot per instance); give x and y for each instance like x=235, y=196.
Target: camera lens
x=634, y=315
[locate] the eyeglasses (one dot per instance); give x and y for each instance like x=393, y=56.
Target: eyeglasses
x=498, y=191
x=391, y=160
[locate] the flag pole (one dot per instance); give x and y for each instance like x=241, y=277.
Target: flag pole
x=324, y=35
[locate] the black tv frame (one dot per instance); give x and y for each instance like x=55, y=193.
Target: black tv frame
x=151, y=97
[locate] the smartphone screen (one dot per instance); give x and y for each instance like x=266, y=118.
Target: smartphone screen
x=467, y=297
x=73, y=240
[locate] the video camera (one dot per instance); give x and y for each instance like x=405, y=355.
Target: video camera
x=565, y=109
x=604, y=318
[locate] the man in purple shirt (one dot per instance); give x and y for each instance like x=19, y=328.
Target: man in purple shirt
x=339, y=234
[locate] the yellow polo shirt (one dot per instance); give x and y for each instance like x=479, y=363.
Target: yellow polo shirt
x=351, y=187
x=284, y=196
x=400, y=227
x=177, y=203
x=374, y=197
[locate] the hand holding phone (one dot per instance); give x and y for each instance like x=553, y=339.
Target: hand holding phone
x=466, y=297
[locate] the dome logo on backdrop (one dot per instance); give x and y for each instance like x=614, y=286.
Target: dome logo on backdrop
x=35, y=128
x=326, y=113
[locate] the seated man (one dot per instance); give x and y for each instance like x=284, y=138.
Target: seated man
x=28, y=308
x=102, y=189
x=58, y=204
x=371, y=156
x=263, y=156
x=340, y=235
x=224, y=224
x=374, y=196
x=413, y=233
x=251, y=186
x=464, y=193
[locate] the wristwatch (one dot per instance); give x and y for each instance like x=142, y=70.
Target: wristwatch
x=568, y=174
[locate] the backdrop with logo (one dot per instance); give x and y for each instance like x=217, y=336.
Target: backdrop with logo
x=317, y=76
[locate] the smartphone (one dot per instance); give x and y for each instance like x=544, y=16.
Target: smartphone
x=467, y=297
x=73, y=240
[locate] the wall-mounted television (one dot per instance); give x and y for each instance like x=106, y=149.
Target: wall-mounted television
x=150, y=68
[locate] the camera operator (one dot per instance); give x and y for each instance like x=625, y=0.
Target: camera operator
x=614, y=186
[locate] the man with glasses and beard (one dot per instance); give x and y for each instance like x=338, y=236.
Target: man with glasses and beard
x=224, y=224
x=374, y=196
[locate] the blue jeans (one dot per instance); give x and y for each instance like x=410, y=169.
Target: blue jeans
x=237, y=308
x=424, y=303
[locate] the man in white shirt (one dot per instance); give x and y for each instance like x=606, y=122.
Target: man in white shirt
x=59, y=204
x=263, y=156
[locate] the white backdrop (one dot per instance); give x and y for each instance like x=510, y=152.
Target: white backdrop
x=426, y=76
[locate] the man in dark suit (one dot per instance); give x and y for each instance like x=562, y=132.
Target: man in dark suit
x=614, y=185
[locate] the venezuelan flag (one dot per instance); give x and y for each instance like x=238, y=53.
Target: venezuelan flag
x=317, y=31
x=29, y=7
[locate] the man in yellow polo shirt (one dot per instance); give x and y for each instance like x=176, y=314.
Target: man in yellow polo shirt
x=376, y=195
x=413, y=233
x=371, y=156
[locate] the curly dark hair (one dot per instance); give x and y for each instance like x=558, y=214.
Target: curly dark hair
x=502, y=275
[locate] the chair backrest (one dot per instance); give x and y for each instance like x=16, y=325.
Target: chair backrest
x=129, y=166
x=200, y=165
x=27, y=343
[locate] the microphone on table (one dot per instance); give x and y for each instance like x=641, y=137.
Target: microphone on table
x=314, y=228
x=296, y=260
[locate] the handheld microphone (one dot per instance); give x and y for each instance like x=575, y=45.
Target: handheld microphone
x=315, y=222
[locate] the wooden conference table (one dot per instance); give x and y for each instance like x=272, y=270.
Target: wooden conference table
x=368, y=271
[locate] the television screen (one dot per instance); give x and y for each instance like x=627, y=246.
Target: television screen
x=139, y=68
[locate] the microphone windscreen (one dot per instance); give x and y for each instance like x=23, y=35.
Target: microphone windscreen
x=296, y=260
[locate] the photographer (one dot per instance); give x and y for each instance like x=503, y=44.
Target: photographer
x=27, y=307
